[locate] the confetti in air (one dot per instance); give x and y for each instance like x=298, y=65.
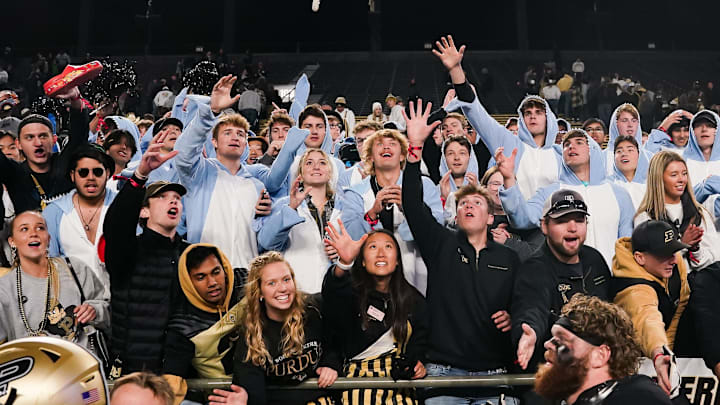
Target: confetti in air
x=202, y=78
x=116, y=78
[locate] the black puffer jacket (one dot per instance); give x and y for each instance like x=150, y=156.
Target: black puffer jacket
x=143, y=282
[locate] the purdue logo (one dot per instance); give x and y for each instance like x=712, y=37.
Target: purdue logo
x=12, y=370
x=669, y=235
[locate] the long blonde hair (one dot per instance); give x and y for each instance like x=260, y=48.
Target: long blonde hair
x=653, y=203
x=329, y=192
x=293, y=329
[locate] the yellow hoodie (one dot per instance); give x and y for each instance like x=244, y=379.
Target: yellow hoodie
x=640, y=301
x=204, y=349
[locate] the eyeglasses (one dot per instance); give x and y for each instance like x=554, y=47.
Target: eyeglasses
x=565, y=204
x=334, y=125
x=84, y=172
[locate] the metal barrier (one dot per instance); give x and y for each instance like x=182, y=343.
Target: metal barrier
x=382, y=382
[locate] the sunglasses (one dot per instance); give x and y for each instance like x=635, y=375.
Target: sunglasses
x=84, y=172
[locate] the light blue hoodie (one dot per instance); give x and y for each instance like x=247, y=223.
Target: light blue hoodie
x=294, y=146
x=358, y=199
x=220, y=206
x=127, y=125
x=535, y=167
x=700, y=169
x=610, y=206
x=614, y=134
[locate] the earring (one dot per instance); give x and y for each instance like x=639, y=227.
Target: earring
x=261, y=299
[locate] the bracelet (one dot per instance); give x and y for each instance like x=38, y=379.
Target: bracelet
x=140, y=176
x=345, y=267
x=657, y=355
x=662, y=129
x=412, y=149
x=371, y=221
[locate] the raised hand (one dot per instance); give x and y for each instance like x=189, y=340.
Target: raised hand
x=296, y=194
x=451, y=57
x=506, y=165
x=445, y=185
x=277, y=110
x=526, y=346
x=347, y=249
x=220, y=98
x=417, y=127
x=73, y=95
x=154, y=156
x=471, y=178
x=449, y=96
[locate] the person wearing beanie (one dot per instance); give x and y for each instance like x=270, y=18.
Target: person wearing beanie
x=41, y=178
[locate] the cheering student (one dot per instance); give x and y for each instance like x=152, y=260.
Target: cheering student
x=42, y=295
x=297, y=224
x=375, y=313
x=282, y=340
x=470, y=280
x=537, y=162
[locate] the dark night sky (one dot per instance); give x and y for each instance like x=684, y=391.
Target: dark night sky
x=267, y=26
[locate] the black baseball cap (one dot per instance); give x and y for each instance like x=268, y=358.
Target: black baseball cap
x=159, y=187
x=657, y=238
x=163, y=122
x=563, y=202
x=705, y=116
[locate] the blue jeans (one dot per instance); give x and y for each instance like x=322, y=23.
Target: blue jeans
x=467, y=395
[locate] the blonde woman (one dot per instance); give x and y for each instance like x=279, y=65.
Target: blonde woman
x=297, y=223
x=282, y=340
x=669, y=198
x=377, y=113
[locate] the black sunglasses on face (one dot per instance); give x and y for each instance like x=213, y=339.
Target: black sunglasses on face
x=84, y=172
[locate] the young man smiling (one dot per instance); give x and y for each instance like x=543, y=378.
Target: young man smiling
x=583, y=172
x=650, y=282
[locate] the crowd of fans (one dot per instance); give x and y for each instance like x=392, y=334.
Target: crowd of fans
x=419, y=243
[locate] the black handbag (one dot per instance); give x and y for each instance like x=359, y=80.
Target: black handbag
x=97, y=344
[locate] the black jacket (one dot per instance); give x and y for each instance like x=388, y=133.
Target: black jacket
x=635, y=389
x=186, y=322
x=464, y=289
x=342, y=311
x=143, y=282
x=544, y=284
x=17, y=176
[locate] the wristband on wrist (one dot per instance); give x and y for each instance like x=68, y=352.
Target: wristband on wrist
x=662, y=129
x=657, y=355
x=371, y=221
x=412, y=149
x=345, y=267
